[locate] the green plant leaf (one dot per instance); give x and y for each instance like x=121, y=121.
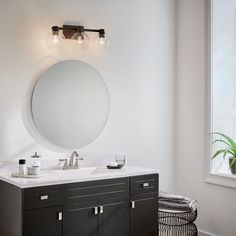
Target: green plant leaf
x=218, y=153
x=228, y=151
x=233, y=162
x=229, y=140
x=221, y=141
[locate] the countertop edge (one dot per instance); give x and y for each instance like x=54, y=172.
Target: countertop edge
x=86, y=179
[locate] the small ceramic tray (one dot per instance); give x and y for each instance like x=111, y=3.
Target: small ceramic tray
x=114, y=167
x=17, y=175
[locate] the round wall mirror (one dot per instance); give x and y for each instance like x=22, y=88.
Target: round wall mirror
x=70, y=104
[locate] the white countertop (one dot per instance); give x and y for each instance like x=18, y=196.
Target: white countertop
x=54, y=177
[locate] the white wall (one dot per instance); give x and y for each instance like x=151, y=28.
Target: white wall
x=139, y=70
x=217, y=209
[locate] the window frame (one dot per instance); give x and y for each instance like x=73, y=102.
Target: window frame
x=213, y=178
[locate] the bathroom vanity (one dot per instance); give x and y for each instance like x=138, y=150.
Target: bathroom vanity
x=66, y=108
x=92, y=203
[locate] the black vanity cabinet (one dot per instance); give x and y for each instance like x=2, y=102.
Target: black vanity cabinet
x=42, y=211
x=45, y=221
x=104, y=218
x=80, y=219
x=97, y=208
x=144, y=205
x=111, y=207
x=115, y=218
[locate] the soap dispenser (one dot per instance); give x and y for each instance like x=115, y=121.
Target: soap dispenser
x=35, y=160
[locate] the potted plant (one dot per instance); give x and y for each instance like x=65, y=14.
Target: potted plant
x=228, y=151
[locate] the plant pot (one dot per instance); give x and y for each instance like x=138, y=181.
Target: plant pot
x=232, y=168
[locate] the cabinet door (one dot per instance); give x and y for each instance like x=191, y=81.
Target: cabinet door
x=43, y=222
x=114, y=217
x=80, y=219
x=144, y=215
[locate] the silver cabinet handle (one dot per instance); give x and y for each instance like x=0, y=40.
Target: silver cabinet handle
x=145, y=185
x=95, y=210
x=44, y=197
x=101, y=209
x=59, y=216
x=132, y=204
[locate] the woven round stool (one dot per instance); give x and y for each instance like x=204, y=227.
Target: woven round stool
x=175, y=230
x=177, y=222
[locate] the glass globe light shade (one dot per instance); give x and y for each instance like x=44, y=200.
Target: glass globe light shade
x=102, y=42
x=55, y=40
x=80, y=40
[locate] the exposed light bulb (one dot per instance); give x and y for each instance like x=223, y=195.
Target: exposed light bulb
x=102, y=41
x=80, y=40
x=55, y=39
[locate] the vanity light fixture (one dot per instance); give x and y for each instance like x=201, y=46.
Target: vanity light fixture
x=77, y=34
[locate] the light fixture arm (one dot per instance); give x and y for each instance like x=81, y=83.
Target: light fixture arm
x=70, y=30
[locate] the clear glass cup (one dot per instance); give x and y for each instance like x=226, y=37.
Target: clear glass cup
x=120, y=159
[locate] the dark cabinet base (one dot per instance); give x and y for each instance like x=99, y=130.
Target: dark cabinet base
x=43, y=222
x=143, y=217
x=111, y=207
x=79, y=219
x=115, y=217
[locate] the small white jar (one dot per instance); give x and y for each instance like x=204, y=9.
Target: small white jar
x=33, y=170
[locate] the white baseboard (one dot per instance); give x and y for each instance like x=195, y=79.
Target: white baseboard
x=202, y=233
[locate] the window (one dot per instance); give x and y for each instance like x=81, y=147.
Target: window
x=223, y=76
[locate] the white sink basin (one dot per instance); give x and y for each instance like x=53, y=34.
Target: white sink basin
x=85, y=172
x=72, y=174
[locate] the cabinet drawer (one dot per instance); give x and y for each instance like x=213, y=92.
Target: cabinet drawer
x=144, y=184
x=42, y=197
x=96, y=190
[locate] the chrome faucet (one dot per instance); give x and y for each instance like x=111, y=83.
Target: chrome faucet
x=72, y=157
x=73, y=162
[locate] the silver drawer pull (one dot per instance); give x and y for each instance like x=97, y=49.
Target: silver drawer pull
x=95, y=210
x=44, y=197
x=59, y=216
x=145, y=185
x=132, y=204
x=101, y=209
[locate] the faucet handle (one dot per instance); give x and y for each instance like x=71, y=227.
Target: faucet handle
x=77, y=159
x=65, y=166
